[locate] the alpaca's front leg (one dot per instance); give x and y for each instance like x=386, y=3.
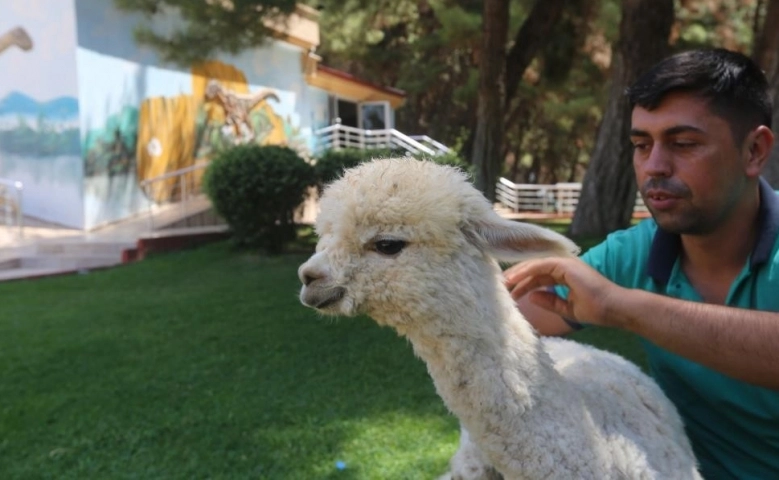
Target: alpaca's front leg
x=468, y=463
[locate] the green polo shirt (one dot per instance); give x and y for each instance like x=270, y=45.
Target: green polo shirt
x=733, y=426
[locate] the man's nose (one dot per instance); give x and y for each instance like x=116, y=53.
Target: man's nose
x=659, y=162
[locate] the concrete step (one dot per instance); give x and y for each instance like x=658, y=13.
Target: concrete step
x=28, y=273
x=70, y=262
x=10, y=263
x=84, y=248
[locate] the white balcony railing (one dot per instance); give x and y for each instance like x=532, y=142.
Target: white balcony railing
x=558, y=198
x=339, y=136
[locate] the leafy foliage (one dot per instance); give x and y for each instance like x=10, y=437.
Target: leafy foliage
x=256, y=190
x=208, y=26
x=431, y=49
x=331, y=164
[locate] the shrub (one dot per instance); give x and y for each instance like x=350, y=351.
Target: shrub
x=332, y=163
x=451, y=158
x=256, y=190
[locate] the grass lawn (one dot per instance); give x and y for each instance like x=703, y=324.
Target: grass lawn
x=203, y=364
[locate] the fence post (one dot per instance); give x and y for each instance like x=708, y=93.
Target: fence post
x=184, y=196
x=20, y=212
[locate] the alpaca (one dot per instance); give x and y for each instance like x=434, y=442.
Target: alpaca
x=415, y=246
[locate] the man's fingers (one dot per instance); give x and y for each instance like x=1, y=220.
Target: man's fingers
x=530, y=283
x=551, y=301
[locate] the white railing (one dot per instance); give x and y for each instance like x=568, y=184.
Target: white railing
x=439, y=147
x=178, y=190
x=339, y=136
x=11, y=204
x=558, y=198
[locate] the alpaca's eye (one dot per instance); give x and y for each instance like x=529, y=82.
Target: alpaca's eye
x=389, y=247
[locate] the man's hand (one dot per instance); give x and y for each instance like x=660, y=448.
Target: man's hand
x=591, y=299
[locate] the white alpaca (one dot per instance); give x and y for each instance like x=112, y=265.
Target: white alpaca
x=413, y=245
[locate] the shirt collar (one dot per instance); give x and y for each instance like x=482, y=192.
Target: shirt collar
x=667, y=246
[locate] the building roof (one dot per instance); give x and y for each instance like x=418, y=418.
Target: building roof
x=350, y=87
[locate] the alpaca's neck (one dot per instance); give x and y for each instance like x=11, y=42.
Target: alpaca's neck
x=487, y=363
x=496, y=357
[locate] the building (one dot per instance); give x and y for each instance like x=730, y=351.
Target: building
x=86, y=114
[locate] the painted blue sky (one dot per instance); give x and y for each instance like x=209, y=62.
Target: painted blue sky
x=48, y=71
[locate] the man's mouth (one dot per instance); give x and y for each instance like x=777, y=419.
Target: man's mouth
x=661, y=200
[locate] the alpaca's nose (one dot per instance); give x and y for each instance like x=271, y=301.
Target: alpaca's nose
x=307, y=279
x=309, y=275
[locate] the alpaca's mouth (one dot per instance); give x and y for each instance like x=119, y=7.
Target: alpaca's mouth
x=335, y=297
x=321, y=298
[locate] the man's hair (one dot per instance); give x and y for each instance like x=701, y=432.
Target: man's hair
x=734, y=86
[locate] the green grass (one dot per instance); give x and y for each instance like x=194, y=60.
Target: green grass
x=202, y=364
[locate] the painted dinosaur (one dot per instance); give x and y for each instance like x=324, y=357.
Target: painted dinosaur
x=16, y=36
x=237, y=107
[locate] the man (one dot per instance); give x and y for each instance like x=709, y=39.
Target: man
x=699, y=282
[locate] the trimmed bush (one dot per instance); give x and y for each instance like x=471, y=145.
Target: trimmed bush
x=256, y=189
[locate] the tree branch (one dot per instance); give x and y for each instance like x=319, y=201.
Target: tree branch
x=533, y=34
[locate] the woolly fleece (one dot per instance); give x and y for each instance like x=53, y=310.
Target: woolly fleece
x=531, y=408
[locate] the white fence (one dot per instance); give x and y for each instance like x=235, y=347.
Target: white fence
x=340, y=136
x=558, y=198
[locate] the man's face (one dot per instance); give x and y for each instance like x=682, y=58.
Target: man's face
x=689, y=170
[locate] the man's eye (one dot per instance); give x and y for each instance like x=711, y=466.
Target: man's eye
x=389, y=247
x=639, y=146
x=684, y=144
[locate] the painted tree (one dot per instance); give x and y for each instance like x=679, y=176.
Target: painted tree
x=207, y=27
x=609, y=188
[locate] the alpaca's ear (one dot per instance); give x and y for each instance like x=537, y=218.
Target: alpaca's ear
x=510, y=241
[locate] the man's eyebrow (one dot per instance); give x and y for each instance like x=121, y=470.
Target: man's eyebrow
x=683, y=129
x=634, y=132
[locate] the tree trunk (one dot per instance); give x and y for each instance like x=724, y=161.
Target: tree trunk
x=532, y=35
x=609, y=188
x=488, y=141
x=765, y=54
x=499, y=77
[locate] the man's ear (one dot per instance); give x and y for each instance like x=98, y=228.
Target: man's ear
x=758, y=144
x=510, y=241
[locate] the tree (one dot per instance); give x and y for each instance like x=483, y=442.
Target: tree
x=609, y=189
x=499, y=76
x=766, y=48
x=488, y=141
x=208, y=26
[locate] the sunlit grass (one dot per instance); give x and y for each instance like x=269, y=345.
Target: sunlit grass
x=203, y=364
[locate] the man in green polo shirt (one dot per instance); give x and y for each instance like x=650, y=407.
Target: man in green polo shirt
x=699, y=282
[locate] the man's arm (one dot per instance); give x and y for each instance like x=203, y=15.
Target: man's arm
x=737, y=342
x=545, y=322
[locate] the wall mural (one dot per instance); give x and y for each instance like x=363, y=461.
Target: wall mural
x=171, y=133
x=86, y=116
x=39, y=121
x=32, y=127
x=15, y=37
